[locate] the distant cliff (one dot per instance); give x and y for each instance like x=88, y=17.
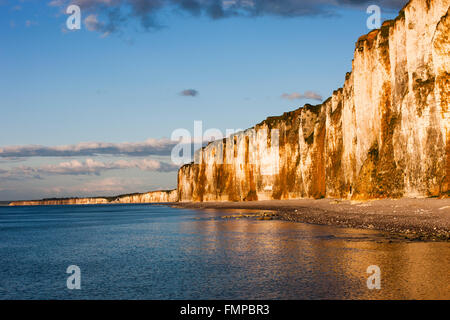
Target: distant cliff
x=385, y=133
x=148, y=197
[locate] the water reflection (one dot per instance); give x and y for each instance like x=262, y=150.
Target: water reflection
x=279, y=259
x=157, y=252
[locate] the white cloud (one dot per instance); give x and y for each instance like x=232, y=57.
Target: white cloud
x=299, y=96
x=88, y=167
x=149, y=147
x=56, y=3
x=99, y=186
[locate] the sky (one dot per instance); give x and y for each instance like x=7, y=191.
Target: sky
x=91, y=111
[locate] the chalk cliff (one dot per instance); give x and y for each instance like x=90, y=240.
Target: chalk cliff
x=67, y=201
x=148, y=197
x=385, y=133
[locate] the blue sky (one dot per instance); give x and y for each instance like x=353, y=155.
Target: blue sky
x=119, y=82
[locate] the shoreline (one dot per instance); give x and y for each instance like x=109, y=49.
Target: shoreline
x=410, y=219
x=423, y=219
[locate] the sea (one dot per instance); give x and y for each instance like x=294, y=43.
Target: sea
x=159, y=252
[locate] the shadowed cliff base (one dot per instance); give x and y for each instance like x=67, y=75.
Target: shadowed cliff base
x=412, y=219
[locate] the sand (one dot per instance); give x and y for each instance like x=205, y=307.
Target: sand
x=412, y=219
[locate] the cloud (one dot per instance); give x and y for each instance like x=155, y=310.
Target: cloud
x=92, y=24
x=298, y=96
x=118, y=13
x=189, y=93
x=383, y=4
x=56, y=3
x=149, y=147
x=88, y=167
x=98, y=186
x=30, y=23
x=110, y=186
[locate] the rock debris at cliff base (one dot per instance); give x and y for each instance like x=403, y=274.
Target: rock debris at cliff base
x=412, y=219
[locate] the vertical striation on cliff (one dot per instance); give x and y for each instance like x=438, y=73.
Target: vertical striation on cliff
x=385, y=133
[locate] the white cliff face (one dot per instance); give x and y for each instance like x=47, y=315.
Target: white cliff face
x=384, y=134
x=68, y=201
x=149, y=197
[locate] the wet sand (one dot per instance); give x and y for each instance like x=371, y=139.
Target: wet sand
x=413, y=219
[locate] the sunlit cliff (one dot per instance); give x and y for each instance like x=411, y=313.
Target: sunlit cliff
x=148, y=197
x=385, y=133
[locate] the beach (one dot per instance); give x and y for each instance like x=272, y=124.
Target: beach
x=412, y=219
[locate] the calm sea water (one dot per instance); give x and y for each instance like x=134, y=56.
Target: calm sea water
x=157, y=252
